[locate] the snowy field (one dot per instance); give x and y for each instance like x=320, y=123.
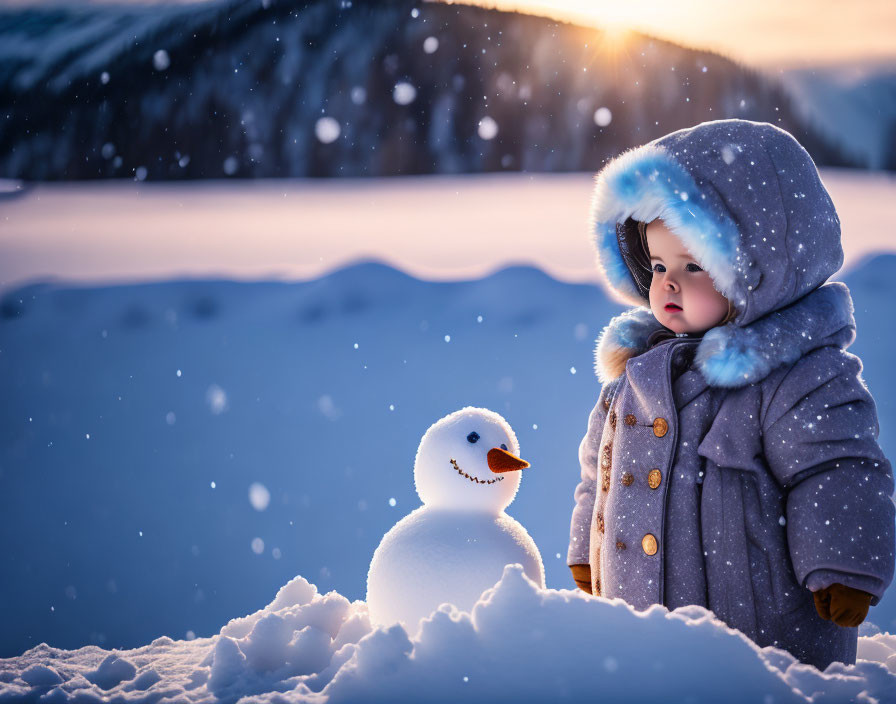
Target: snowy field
x=173, y=453
x=433, y=227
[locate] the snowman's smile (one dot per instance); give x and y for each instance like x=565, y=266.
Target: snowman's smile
x=472, y=478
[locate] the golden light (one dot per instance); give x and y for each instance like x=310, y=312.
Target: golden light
x=761, y=32
x=616, y=35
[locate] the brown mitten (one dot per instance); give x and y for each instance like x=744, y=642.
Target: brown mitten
x=843, y=605
x=582, y=575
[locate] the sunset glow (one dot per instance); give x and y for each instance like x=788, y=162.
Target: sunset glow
x=762, y=33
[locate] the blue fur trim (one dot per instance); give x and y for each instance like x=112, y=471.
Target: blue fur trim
x=647, y=183
x=613, y=265
x=731, y=356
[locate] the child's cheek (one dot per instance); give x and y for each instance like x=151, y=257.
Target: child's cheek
x=705, y=304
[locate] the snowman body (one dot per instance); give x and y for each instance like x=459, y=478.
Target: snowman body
x=456, y=545
x=434, y=556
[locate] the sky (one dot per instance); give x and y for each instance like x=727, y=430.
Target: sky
x=768, y=34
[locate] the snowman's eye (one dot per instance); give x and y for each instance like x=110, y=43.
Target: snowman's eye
x=473, y=437
x=504, y=447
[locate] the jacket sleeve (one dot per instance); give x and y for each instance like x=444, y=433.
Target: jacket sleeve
x=580, y=525
x=820, y=432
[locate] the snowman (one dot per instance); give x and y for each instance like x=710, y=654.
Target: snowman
x=455, y=546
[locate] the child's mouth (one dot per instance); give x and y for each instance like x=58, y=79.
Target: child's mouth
x=673, y=308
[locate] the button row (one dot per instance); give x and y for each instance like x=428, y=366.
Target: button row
x=654, y=478
x=660, y=425
x=648, y=544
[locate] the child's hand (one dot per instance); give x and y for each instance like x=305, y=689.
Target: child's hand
x=582, y=575
x=843, y=605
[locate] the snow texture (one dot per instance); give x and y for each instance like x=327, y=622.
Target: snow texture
x=518, y=643
x=357, y=360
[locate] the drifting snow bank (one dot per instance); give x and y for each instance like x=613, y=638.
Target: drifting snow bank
x=520, y=643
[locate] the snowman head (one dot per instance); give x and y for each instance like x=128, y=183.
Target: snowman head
x=469, y=460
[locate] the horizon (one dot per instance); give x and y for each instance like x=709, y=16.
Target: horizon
x=72, y=232
x=766, y=35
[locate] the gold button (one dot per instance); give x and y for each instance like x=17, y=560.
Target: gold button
x=628, y=478
x=605, y=479
x=648, y=542
x=606, y=404
x=630, y=419
x=660, y=426
x=654, y=477
x=600, y=523
x=596, y=587
x=613, y=419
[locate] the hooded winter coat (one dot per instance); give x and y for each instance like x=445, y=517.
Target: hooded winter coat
x=738, y=470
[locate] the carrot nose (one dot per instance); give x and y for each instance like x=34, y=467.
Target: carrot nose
x=502, y=461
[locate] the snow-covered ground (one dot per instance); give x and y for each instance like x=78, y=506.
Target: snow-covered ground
x=518, y=643
x=433, y=227
x=172, y=453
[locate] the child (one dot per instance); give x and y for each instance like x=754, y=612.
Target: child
x=731, y=460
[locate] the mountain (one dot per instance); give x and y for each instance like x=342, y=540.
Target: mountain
x=853, y=106
x=352, y=88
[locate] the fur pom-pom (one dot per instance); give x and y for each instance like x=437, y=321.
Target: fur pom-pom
x=729, y=355
x=624, y=337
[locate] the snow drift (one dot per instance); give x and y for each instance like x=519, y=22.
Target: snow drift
x=519, y=643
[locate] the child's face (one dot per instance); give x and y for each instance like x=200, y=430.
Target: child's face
x=678, y=279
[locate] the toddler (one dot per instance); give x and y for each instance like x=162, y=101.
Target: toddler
x=732, y=459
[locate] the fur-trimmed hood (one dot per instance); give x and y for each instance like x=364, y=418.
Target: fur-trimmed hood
x=746, y=200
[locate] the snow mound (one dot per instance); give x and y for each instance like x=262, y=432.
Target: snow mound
x=519, y=643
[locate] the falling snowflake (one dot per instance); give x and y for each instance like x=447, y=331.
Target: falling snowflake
x=160, y=60
x=216, y=398
x=259, y=496
x=404, y=93
x=602, y=117
x=327, y=129
x=488, y=128
x=359, y=95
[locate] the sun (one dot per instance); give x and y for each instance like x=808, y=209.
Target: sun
x=616, y=36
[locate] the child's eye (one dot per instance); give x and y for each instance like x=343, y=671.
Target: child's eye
x=503, y=447
x=473, y=437
x=692, y=267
